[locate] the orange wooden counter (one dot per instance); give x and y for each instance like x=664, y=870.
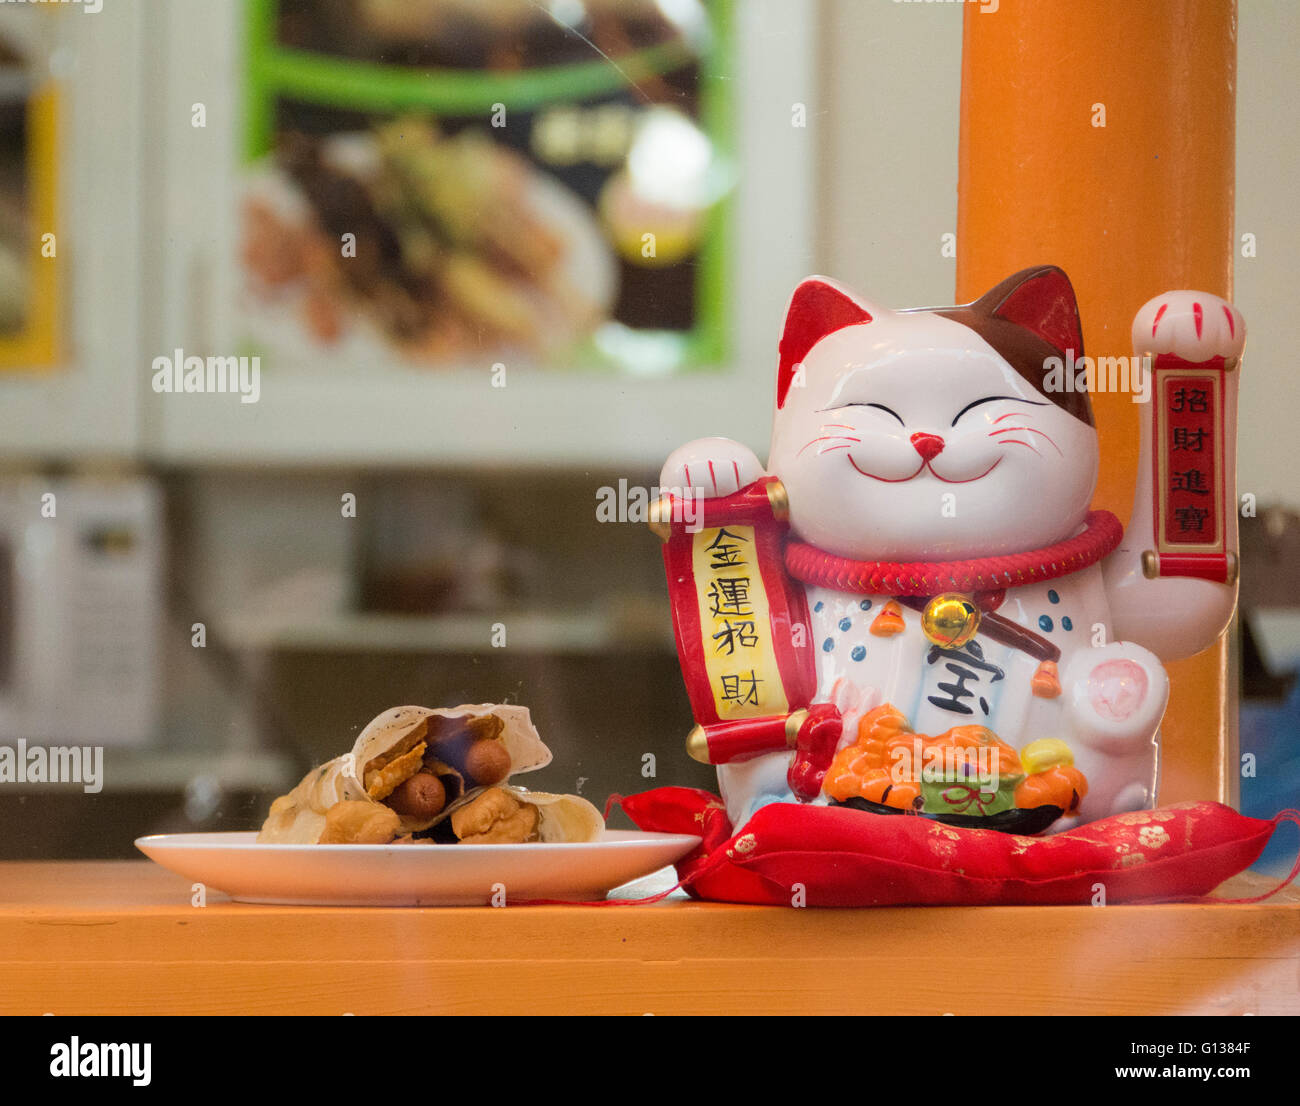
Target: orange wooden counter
x=120, y=937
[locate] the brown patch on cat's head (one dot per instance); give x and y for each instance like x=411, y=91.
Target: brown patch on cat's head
x=1029, y=319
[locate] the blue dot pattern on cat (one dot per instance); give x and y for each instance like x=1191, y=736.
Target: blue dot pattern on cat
x=859, y=651
x=1066, y=624
x=828, y=645
x=819, y=605
x=1044, y=623
x=865, y=604
x=845, y=624
x=1052, y=597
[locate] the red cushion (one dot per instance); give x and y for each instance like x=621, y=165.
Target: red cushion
x=790, y=854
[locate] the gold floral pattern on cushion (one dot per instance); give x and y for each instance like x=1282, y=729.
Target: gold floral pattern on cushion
x=943, y=848
x=1153, y=836
x=1145, y=817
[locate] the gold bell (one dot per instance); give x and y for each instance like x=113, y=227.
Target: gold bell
x=950, y=620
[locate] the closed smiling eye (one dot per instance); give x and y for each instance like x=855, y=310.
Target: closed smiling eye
x=993, y=399
x=878, y=406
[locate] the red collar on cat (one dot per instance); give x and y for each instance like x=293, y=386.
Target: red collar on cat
x=1101, y=534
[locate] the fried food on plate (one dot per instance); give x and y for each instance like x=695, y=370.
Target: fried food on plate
x=418, y=775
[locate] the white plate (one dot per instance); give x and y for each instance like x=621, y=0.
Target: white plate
x=412, y=875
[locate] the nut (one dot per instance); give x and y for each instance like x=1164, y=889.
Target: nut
x=487, y=762
x=420, y=798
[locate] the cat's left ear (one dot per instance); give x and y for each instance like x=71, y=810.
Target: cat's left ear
x=1041, y=300
x=819, y=306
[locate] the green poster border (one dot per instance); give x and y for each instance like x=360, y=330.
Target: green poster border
x=710, y=343
x=271, y=70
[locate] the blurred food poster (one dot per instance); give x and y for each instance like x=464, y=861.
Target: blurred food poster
x=448, y=183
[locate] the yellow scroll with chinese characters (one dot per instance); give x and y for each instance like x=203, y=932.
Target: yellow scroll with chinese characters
x=735, y=625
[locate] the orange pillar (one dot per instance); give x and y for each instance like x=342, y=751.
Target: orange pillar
x=1100, y=137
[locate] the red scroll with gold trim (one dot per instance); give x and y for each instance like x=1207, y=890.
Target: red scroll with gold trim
x=1191, y=343
x=1194, y=495
x=741, y=624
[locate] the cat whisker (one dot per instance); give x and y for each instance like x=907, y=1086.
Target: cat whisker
x=828, y=438
x=1028, y=429
x=1017, y=441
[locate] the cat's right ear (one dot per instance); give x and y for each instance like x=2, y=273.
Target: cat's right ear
x=818, y=307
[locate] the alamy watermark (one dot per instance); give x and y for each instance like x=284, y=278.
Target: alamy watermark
x=978, y=765
x=83, y=764
x=634, y=503
x=1099, y=374
x=102, y=1059
x=179, y=373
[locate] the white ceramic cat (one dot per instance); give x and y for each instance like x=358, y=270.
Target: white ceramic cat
x=928, y=436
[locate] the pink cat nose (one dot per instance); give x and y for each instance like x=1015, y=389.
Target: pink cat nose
x=929, y=446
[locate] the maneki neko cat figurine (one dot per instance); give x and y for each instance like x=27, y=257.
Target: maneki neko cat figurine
x=913, y=608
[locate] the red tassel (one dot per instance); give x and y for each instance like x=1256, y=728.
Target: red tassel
x=1046, y=683
x=1284, y=816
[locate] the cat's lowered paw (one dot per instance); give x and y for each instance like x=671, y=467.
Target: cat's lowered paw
x=1136, y=796
x=1115, y=696
x=1195, y=326
x=714, y=467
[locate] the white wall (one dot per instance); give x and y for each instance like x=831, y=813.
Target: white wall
x=1268, y=174
x=888, y=111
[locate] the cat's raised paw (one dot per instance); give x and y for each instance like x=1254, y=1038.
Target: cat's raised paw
x=1195, y=326
x=714, y=467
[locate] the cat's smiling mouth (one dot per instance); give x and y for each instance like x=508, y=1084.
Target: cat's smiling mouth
x=924, y=465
